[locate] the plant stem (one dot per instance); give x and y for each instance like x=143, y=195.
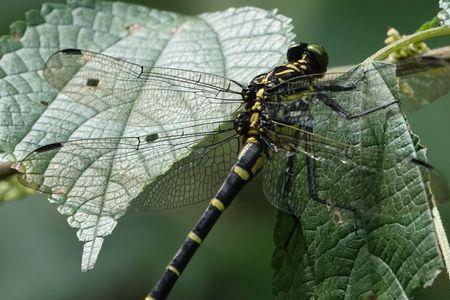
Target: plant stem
x=442, y=52
x=5, y=170
x=409, y=39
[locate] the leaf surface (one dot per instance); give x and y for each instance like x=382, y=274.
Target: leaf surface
x=394, y=248
x=236, y=43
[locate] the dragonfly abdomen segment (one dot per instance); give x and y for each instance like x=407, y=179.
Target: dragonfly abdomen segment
x=247, y=166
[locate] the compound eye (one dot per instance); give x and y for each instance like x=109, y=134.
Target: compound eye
x=295, y=52
x=318, y=57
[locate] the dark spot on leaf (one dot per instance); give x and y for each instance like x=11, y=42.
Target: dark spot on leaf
x=93, y=82
x=133, y=28
x=391, y=113
x=48, y=147
x=151, y=137
x=337, y=217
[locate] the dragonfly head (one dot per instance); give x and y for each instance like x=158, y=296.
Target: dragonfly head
x=316, y=54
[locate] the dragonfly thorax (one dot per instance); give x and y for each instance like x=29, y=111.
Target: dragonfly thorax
x=302, y=59
x=249, y=122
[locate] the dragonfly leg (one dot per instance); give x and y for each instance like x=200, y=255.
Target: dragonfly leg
x=312, y=182
x=312, y=189
x=348, y=115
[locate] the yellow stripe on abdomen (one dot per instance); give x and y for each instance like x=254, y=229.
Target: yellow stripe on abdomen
x=241, y=173
x=193, y=236
x=173, y=269
x=217, y=204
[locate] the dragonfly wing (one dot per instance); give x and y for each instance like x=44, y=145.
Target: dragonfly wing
x=287, y=183
x=143, y=123
x=193, y=179
x=102, y=175
x=284, y=182
x=344, y=92
x=115, y=89
x=439, y=185
x=422, y=80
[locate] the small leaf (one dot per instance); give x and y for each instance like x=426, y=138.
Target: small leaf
x=435, y=22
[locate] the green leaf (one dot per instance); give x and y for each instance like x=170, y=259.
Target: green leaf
x=435, y=22
x=395, y=249
x=236, y=43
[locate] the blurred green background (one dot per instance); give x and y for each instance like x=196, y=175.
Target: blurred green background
x=40, y=255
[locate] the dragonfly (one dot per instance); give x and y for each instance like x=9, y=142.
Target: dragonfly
x=207, y=136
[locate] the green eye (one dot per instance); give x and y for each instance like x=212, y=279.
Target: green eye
x=318, y=57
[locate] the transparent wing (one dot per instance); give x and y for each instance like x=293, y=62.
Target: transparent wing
x=286, y=179
x=284, y=183
x=174, y=122
x=289, y=139
x=118, y=88
x=193, y=179
x=346, y=169
x=285, y=175
x=438, y=183
x=422, y=80
x=165, y=169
